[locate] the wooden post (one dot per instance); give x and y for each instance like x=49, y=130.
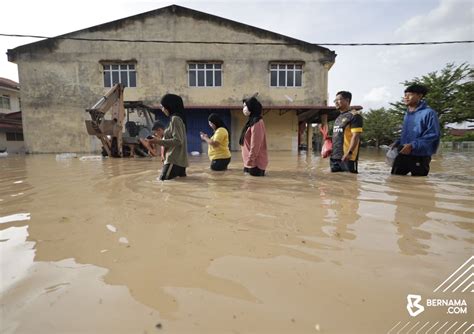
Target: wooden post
x=309, y=138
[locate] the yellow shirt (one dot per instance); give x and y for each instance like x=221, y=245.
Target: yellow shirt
x=220, y=151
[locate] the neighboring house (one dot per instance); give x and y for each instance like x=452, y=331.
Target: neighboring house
x=11, y=132
x=210, y=61
x=460, y=129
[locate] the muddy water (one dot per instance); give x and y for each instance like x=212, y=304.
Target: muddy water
x=104, y=247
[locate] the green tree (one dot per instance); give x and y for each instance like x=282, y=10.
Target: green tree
x=381, y=126
x=451, y=93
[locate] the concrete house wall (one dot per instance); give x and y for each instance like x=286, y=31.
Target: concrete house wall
x=60, y=78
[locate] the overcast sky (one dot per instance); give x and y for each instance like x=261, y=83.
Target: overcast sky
x=372, y=74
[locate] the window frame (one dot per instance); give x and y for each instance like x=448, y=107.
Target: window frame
x=289, y=69
x=17, y=136
x=5, y=102
x=198, y=67
x=108, y=69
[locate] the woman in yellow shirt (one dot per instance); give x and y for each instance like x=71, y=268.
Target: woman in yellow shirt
x=218, y=144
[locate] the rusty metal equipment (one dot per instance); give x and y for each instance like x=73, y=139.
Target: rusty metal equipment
x=129, y=122
x=109, y=131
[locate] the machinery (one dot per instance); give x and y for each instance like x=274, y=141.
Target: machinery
x=129, y=121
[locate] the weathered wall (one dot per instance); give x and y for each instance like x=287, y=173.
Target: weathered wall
x=282, y=130
x=59, y=83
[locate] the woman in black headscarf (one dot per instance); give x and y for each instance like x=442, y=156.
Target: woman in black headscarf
x=174, y=138
x=218, y=145
x=253, y=139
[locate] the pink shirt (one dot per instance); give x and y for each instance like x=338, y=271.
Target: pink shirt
x=254, y=150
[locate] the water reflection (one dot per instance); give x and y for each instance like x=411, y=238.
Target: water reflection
x=415, y=198
x=188, y=235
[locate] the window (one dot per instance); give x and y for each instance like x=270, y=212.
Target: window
x=14, y=136
x=5, y=102
x=120, y=73
x=205, y=74
x=286, y=75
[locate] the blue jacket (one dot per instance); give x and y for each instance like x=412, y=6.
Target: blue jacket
x=421, y=130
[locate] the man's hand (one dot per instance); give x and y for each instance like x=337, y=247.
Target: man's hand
x=406, y=149
x=346, y=156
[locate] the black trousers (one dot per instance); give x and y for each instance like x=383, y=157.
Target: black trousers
x=254, y=171
x=170, y=171
x=417, y=166
x=220, y=164
x=337, y=165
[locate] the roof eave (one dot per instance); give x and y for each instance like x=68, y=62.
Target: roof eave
x=52, y=42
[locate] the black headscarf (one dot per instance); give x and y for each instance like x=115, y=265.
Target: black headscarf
x=255, y=109
x=217, y=121
x=174, y=104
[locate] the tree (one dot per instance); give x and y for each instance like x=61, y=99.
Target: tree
x=451, y=93
x=381, y=126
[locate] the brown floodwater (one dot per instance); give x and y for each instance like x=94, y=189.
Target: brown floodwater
x=102, y=246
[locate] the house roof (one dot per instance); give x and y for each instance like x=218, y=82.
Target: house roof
x=10, y=84
x=51, y=43
x=11, y=121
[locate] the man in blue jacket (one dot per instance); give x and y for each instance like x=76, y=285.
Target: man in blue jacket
x=420, y=135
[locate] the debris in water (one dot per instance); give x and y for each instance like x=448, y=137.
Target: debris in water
x=65, y=156
x=112, y=228
x=123, y=240
x=91, y=158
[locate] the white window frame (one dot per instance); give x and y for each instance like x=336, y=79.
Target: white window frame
x=284, y=67
x=194, y=67
x=5, y=102
x=109, y=70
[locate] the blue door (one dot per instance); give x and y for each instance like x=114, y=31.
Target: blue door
x=196, y=120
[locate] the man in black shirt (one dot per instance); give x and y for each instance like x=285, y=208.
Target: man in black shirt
x=346, y=135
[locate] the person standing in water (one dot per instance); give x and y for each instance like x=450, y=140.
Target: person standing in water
x=420, y=134
x=346, y=135
x=174, y=138
x=253, y=139
x=218, y=149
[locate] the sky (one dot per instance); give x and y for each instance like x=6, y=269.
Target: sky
x=374, y=74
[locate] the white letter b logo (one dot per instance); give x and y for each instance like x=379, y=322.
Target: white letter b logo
x=413, y=306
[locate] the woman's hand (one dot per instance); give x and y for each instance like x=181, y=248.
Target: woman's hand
x=204, y=136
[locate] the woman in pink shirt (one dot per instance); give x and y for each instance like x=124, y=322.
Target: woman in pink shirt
x=253, y=139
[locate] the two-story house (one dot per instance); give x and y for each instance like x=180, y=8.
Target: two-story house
x=11, y=132
x=212, y=62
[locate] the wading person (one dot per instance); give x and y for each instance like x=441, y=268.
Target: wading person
x=346, y=135
x=174, y=138
x=253, y=139
x=218, y=145
x=157, y=131
x=420, y=134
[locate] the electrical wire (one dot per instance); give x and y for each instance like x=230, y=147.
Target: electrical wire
x=230, y=43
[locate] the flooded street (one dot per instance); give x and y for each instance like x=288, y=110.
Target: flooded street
x=102, y=246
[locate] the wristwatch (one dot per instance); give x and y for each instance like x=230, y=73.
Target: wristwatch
x=350, y=152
